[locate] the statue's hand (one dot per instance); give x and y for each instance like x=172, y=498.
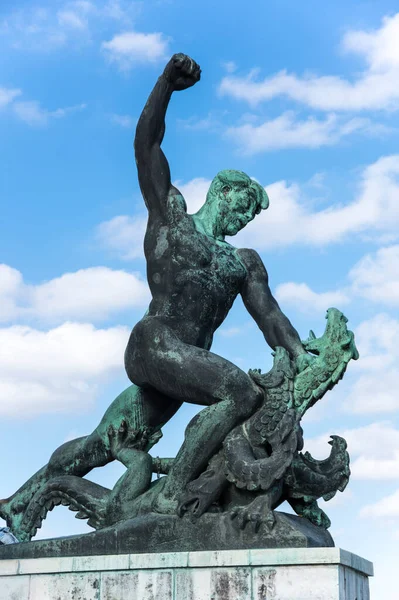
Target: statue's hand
x=182, y=72
x=122, y=438
x=303, y=361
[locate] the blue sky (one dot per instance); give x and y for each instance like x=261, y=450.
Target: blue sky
x=301, y=96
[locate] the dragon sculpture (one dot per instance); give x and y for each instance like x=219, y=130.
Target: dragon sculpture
x=259, y=466
x=261, y=458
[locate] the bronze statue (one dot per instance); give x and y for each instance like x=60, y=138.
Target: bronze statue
x=194, y=276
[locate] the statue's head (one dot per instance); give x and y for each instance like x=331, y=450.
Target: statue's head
x=235, y=199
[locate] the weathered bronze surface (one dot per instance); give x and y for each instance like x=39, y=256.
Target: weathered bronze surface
x=241, y=457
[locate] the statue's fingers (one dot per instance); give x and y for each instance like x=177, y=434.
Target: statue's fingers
x=178, y=59
x=197, y=73
x=192, y=67
x=185, y=65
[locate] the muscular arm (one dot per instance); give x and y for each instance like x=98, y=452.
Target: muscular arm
x=153, y=169
x=261, y=305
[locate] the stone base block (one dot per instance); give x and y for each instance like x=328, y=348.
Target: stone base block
x=281, y=574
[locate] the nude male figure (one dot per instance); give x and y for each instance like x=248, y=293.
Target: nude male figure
x=194, y=276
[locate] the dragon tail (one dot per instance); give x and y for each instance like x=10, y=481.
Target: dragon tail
x=84, y=497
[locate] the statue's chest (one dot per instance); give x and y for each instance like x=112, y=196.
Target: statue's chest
x=211, y=260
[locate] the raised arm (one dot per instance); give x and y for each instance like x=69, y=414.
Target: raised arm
x=180, y=73
x=264, y=309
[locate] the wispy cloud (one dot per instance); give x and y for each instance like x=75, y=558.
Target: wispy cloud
x=287, y=131
x=375, y=88
x=125, y=121
x=212, y=121
x=33, y=114
x=7, y=95
x=46, y=28
x=131, y=48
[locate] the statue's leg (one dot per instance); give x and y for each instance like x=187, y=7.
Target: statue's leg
x=134, y=482
x=76, y=457
x=158, y=358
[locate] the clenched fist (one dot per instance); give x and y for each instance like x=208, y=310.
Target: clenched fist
x=182, y=72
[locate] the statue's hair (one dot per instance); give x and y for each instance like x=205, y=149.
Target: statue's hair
x=236, y=179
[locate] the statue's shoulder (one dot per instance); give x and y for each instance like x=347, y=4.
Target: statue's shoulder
x=250, y=258
x=176, y=201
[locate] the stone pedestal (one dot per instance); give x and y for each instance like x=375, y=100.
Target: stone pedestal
x=275, y=574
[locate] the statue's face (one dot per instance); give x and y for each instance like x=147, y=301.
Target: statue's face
x=238, y=207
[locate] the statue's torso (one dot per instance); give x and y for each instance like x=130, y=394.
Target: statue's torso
x=194, y=279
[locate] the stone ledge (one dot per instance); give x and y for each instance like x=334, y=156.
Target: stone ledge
x=154, y=533
x=178, y=560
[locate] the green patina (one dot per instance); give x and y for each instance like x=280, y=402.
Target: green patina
x=232, y=201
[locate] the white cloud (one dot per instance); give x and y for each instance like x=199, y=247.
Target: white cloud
x=374, y=88
x=7, y=95
x=286, y=131
x=211, y=122
x=92, y=293
x=229, y=66
x=303, y=298
x=125, y=121
x=387, y=507
x=292, y=219
x=376, y=276
x=378, y=47
x=33, y=114
x=124, y=235
x=374, y=450
x=375, y=389
x=74, y=22
x=131, y=47
x=30, y=111
x=58, y=370
x=194, y=192
x=229, y=332
x=70, y=18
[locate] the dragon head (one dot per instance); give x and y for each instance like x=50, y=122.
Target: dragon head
x=333, y=350
x=335, y=335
